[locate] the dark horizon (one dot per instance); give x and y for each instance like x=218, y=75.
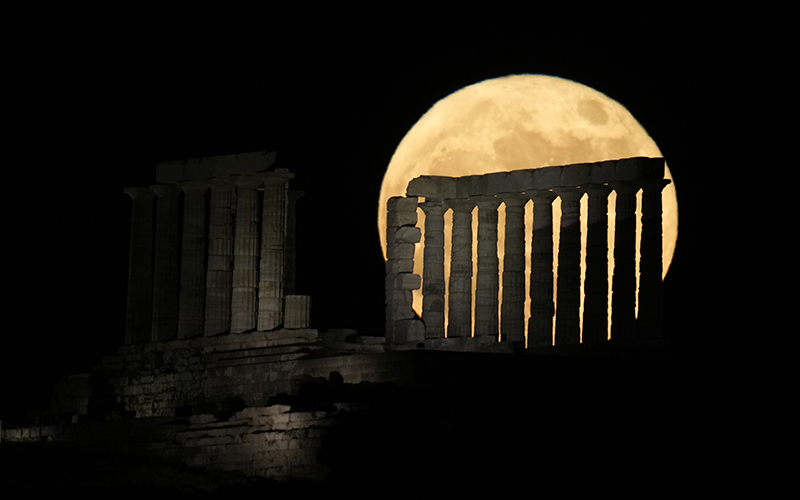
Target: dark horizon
x=90, y=125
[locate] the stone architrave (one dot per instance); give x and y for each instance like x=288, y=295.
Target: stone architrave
x=512, y=317
x=220, y=260
x=649, y=322
x=568, y=302
x=623, y=292
x=487, y=282
x=433, y=289
x=166, y=273
x=595, y=302
x=289, y=285
x=540, y=324
x=193, y=261
x=139, y=314
x=460, y=289
x=245, y=255
x=273, y=257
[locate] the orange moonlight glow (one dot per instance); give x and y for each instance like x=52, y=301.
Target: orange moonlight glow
x=521, y=122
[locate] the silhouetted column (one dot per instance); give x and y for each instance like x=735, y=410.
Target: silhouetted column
x=166, y=273
x=139, y=313
x=487, y=281
x=220, y=259
x=568, y=328
x=595, y=302
x=460, y=289
x=245, y=256
x=512, y=317
x=433, y=269
x=273, y=241
x=649, y=322
x=402, y=234
x=623, y=293
x=290, y=285
x=540, y=324
x=193, y=261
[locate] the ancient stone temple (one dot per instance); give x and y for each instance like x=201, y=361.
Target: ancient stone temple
x=499, y=311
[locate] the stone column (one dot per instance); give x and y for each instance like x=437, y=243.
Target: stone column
x=649, y=322
x=220, y=260
x=433, y=270
x=166, y=273
x=487, y=282
x=540, y=324
x=273, y=244
x=512, y=317
x=139, y=313
x=193, y=261
x=595, y=302
x=245, y=255
x=623, y=291
x=290, y=285
x=402, y=324
x=568, y=327
x=298, y=312
x=460, y=289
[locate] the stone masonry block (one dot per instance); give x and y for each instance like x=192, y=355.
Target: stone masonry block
x=547, y=177
x=432, y=186
x=408, y=234
x=396, y=298
x=402, y=204
x=400, y=251
x=603, y=172
x=409, y=330
x=399, y=219
x=404, y=281
x=629, y=169
x=520, y=180
x=395, y=266
x=496, y=183
x=576, y=175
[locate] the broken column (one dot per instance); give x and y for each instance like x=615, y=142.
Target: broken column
x=220, y=260
x=649, y=322
x=460, y=289
x=512, y=318
x=138, y=320
x=487, y=282
x=193, y=261
x=245, y=255
x=623, y=292
x=595, y=303
x=273, y=241
x=166, y=272
x=569, y=268
x=402, y=325
x=433, y=269
x=298, y=312
x=540, y=324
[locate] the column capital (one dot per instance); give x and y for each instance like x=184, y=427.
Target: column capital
x=276, y=178
x=166, y=190
x=569, y=193
x=542, y=195
x=139, y=193
x=246, y=181
x=626, y=187
x=193, y=187
x=433, y=207
x=462, y=205
x=595, y=190
x=513, y=200
x=487, y=202
x=654, y=184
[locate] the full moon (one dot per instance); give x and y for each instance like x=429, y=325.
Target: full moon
x=520, y=122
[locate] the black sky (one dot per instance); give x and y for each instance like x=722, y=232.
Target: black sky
x=98, y=98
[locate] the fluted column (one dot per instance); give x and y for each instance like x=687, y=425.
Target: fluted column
x=245, y=256
x=487, y=281
x=166, y=273
x=649, y=322
x=220, y=260
x=540, y=324
x=460, y=289
x=623, y=293
x=139, y=313
x=512, y=317
x=290, y=285
x=193, y=261
x=595, y=303
x=433, y=269
x=273, y=256
x=568, y=327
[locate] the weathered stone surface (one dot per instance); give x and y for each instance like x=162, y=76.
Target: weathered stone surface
x=402, y=204
x=512, y=326
x=403, y=281
x=433, y=270
x=272, y=266
x=409, y=330
x=487, y=280
x=400, y=251
x=432, y=186
x=398, y=219
x=496, y=183
x=460, y=289
x=629, y=169
x=395, y=266
x=547, y=177
x=520, y=180
x=297, y=311
x=408, y=234
x=576, y=175
x=603, y=172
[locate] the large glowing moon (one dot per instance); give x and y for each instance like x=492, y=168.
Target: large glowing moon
x=520, y=122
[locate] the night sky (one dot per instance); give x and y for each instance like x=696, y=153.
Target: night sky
x=96, y=103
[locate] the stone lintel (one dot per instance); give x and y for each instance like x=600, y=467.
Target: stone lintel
x=214, y=166
x=629, y=169
x=402, y=204
x=576, y=175
x=432, y=186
